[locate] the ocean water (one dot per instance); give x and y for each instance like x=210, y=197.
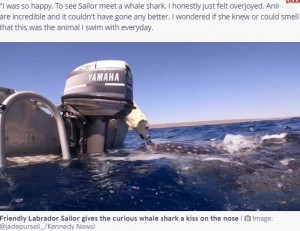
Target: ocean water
x=234, y=167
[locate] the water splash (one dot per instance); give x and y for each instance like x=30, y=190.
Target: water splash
x=239, y=143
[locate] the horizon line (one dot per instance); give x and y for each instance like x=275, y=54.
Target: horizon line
x=215, y=122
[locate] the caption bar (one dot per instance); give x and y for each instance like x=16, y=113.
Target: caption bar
x=100, y=220
x=135, y=20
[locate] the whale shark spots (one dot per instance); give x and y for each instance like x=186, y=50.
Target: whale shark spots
x=184, y=148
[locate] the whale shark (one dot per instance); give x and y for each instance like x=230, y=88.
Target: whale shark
x=183, y=148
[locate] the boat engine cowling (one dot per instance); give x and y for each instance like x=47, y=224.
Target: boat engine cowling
x=102, y=88
x=94, y=94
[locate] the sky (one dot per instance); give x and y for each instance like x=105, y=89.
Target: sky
x=173, y=82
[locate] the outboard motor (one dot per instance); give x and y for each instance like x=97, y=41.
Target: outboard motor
x=95, y=94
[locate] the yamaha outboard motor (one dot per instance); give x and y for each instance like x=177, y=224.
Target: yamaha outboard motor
x=94, y=94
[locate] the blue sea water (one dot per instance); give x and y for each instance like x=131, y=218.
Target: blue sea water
x=244, y=167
